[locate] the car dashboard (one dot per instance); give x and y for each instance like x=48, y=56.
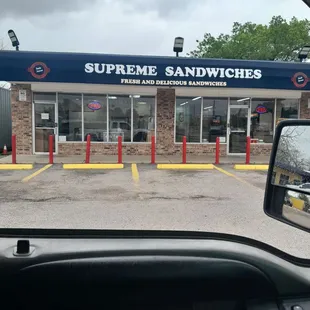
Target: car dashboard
x=148, y=273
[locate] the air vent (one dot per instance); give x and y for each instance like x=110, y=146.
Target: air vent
x=23, y=248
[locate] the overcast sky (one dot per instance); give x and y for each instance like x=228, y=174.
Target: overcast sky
x=146, y=27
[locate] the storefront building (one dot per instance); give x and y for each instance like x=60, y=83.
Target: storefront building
x=72, y=95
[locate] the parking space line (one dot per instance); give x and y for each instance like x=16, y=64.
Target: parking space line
x=29, y=177
x=135, y=173
x=234, y=176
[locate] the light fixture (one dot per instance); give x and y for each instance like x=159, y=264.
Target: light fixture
x=13, y=38
x=210, y=107
x=243, y=99
x=178, y=45
x=141, y=102
x=136, y=96
x=303, y=53
x=184, y=103
x=112, y=97
x=196, y=98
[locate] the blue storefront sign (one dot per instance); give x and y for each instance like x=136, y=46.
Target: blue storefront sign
x=151, y=71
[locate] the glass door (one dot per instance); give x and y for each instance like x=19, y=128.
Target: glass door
x=237, y=129
x=44, y=125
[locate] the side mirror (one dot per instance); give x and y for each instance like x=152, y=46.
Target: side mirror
x=287, y=196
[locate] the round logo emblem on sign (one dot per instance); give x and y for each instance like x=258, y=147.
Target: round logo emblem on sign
x=39, y=70
x=260, y=109
x=300, y=79
x=94, y=105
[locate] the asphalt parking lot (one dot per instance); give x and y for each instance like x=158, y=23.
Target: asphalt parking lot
x=143, y=197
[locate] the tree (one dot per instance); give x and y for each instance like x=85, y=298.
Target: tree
x=289, y=151
x=279, y=40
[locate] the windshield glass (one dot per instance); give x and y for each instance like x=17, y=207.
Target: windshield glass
x=149, y=115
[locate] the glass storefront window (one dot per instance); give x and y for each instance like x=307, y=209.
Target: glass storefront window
x=70, y=117
x=120, y=117
x=214, y=121
x=286, y=109
x=143, y=118
x=188, y=119
x=95, y=117
x=262, y=120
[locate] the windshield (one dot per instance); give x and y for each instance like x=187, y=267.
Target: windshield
x=149, y=115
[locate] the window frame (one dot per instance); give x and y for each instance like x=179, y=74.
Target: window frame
x=108, y=115
x=58, y=94
x=275, y=99
x=175, y=120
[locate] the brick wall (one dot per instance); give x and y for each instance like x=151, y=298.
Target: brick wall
x=261, y=149
x=22, y=119
x=165, y=121
x=304, y=110
x=79, y=148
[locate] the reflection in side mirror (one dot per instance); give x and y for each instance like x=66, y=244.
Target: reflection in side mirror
x=287, y=196
x=292, y=162
x=296, y=208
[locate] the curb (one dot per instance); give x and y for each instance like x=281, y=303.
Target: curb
x=185, y=166
x=252, y=167
x=16, y=166
x=92, y=166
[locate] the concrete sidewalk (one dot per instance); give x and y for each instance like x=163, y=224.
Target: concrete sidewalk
x=160, y=159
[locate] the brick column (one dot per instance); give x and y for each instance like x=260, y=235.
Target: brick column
x=165, y=121
x=22, y=119
x=304, y=110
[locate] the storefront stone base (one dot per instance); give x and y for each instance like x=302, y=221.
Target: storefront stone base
x=261, y=149
x=135, y=149
x=145, y=149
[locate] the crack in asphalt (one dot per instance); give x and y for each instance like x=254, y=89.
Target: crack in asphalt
x=107, y=197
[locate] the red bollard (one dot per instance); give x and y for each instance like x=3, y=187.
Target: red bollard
x=13, y=149
x=87, y=159
x=153, y=150
x=120, y=149
x=248, y=150
x=184, y=150
x=217, y=151
x=51, y=149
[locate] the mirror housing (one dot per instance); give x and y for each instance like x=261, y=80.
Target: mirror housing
x=287, y=194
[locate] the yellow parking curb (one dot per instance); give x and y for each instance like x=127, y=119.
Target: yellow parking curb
x=16, y=166
x=93, y=166
x=185, y=166
x=251, y=167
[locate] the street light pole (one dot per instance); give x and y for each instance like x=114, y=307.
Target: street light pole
x=178, y=45
x=14, y=40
